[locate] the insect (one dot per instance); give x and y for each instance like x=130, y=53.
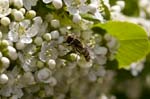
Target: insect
x=78, y=46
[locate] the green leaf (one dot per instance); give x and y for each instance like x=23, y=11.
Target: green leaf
x=89, y=17
x=133, y=39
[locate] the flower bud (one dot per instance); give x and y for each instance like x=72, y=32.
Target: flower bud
x=47, y=36
x=47, y=1
x=55, y=34
x=116, y=8
x=31, y=14
x=12, y=53
x=44, y=74
x=55, y=23
x=20, y=45
x=52, y=81
x=51, y=63
x=40, y=64
x=84, y=64
x=5, y=21
x=74, y=57
x=113, y=44
x=18, y=15
x=76, y=18
x=18, y=3
x=4, y=43
x=23, y=10
x=121, y=4
x=92, y=8
x=57, y=4
x=5, y=62
x=38, y=41
x=29, y=78
x=100, y=50
x=3, y=78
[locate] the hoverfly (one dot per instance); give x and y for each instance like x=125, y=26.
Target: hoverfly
x=78, y=46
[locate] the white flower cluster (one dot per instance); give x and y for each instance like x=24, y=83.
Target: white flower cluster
x=35, y=60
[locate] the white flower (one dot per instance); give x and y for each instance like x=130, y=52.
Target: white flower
x=98, y=16
x=76, y=6
x=17, y=30
x=74, y=2
x=68, y=2
x=35, y=27
x=27, y=58
x=83, y=9
x=24, y=31
x=44, y=74
x=72, y=10
x=29, y=3
x=4, y=8
x=48, y=51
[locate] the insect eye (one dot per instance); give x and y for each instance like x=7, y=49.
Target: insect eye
x=69, y=39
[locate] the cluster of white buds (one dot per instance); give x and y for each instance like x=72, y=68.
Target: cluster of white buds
x=36, y=59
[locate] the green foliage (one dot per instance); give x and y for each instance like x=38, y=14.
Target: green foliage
x=133, y=40
x=41, y=9
x=131, y=8
x=106, y=11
